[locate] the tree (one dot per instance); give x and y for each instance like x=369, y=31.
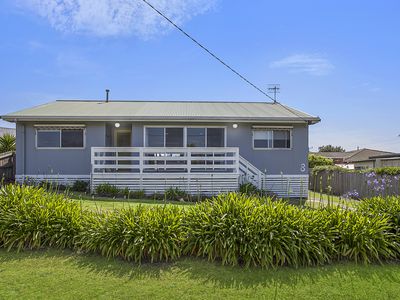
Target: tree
x=7, y=143
x=317, y=160
x=330, y=148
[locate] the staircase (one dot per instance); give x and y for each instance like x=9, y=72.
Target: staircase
x=286, y=186
x=250, y=173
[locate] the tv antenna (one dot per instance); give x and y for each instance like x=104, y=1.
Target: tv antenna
x=274, y=89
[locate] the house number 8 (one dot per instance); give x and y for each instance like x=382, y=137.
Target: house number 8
x=302, y=168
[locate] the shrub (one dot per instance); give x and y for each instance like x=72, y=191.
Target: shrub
x=175, y=194
x=7, y=143
x=388, y=207
x=360, y=237
x=80, y=186
x=240, y=229
x=250, y=189
x=318, y=160
x=107, y=190
x=393, y=171
x=233, y=228
x=139, y=194
x=136, y=234
x=31, y=217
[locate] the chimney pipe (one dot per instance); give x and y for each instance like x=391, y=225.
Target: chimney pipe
x=107, y=92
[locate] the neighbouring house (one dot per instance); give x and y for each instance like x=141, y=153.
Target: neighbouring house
x=5, y=130
x=200, y=147
x=386, y=160
x=355, y=159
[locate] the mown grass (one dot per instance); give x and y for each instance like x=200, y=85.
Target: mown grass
x=103, y=203
x=317, y=200
x=54, y=274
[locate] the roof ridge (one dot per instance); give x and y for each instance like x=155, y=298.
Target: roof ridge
x=164, y=101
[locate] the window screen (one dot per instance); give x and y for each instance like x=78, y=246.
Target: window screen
x=155, y=137
x=173, y=137
x=262, y=139
x=72, y=138
x=215, y=137
x=196, y=137
x=48, y=138
x=281, y=138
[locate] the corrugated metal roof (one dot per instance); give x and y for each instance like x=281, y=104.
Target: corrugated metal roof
x=161, y=110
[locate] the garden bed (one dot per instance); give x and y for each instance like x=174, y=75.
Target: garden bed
x=233, y=229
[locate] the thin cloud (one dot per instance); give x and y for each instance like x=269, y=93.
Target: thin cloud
x=303, y=63
x=115, y=17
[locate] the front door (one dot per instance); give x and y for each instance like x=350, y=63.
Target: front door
x=123, y=138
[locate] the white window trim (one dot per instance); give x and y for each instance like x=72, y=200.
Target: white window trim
x=59, y=148
x=184, y=133
x=272, y=129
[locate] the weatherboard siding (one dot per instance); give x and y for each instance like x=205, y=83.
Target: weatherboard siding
x=33, y=161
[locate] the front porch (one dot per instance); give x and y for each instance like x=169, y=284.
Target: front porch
x=196, y=170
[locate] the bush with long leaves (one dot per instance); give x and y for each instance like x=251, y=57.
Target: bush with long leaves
x=384, y=207
x=7, y=143
x=231, y=228
x=137, y=234
x=31, y=217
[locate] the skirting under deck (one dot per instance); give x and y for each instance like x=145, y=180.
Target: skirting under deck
x=286, y=186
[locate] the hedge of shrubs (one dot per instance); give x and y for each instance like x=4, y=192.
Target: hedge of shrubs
x=391, y=171
x=231, y=228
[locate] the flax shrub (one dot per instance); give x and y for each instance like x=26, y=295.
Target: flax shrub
x=388, y=207
x=31, y=217
x=137, y=234
x=240, y=229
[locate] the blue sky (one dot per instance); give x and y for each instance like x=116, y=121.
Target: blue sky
x=335, y=59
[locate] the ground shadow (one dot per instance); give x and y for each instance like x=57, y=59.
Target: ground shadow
x=213, y=272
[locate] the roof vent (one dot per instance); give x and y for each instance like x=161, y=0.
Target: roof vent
x=107, y=93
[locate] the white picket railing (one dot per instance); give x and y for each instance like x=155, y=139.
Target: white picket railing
x=249, y=172
x=205, y=170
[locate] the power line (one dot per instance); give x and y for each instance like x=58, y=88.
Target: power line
x=208, y=51
x=220, y=60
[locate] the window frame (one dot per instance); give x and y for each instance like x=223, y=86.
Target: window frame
x=51, y=129
x=184, y=134
x=272, y=129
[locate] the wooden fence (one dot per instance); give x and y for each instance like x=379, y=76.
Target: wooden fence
x=364, y=184
x=7, y=167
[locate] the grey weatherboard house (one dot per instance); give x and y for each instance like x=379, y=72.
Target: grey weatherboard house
x=200, y=147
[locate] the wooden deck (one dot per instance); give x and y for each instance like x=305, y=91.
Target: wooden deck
x=205, y=171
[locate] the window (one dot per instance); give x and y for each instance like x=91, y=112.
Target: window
x=281, y=138
x=60, y=138
x=72, y=138
x=173, y=137
x=48, y=138
x=215, y=137
x=262, y=139
x=155, y=137
x=196, y=137
x=272, y=139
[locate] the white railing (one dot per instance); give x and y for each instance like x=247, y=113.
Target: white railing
x=250, y=173
x=207, y=171
x=164, y=160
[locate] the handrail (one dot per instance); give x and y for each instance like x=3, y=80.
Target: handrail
x=164, y=160
x=251, y=172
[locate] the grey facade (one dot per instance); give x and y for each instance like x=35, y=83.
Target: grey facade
x=34, y=161
x=265, y=144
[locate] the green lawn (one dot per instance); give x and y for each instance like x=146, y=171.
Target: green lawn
x=97, y=203
x=65, y=275
x=316, y=199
